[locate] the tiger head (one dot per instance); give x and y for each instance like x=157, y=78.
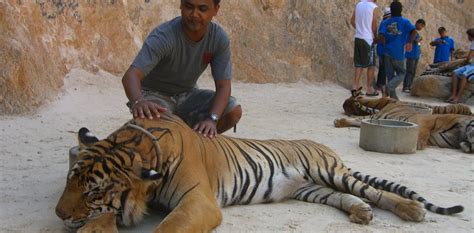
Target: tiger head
x=358, y=105
x=352, y=106
x=108, y=177
x=467, y=144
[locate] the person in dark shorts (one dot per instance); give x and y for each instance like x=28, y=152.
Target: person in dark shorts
x=163, y=75
x=364, y=20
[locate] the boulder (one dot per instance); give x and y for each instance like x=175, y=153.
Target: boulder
x=438, y=86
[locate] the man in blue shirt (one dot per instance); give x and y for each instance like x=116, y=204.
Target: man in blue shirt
x=444, y=47
x=413, y=56
x=397, y=35
x=381, y=76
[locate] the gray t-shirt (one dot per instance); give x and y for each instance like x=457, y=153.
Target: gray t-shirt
x=172, y=63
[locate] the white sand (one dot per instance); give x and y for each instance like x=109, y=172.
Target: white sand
x=35, y=160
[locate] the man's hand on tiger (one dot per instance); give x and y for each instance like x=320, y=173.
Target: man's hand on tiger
x=147, y=109
x=206, y=128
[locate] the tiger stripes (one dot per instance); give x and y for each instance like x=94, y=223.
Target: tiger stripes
x=445, y=126
x=405, y=192
x=198, y=176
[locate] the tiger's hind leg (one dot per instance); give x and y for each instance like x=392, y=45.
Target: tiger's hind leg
x=347, y=122
x=406, y=209
x=359, y=211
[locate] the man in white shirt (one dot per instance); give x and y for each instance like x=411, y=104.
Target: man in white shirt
x=364, y=20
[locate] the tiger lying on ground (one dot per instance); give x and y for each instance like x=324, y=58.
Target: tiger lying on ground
x=450, y=126
x=166, y=163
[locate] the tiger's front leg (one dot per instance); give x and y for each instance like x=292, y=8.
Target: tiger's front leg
x=196, y=212
x=426, y=124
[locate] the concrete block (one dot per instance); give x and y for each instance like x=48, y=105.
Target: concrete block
x=388, y=136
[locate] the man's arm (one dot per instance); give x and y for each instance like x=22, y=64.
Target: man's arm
x=381, y=39
x=451, y=49
x=131, y=82
x=409, y=44
x=435, y=42
x=419, y=39
x=353, y=19
x=469, y=55
x=375, y=25
x=223, y=91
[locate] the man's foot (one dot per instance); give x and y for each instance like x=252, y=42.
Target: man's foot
x=406, y=90
x=371, y=92
x=451, y=98
x=454, y=101
x=375, y=93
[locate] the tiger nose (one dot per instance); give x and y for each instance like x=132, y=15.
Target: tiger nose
x=61, y=213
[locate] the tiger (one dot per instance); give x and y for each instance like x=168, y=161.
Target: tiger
x=358, y=105
x=443, y=126
x=164, y=163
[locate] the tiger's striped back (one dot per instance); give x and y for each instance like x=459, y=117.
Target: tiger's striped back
x=167, y=164
x=362, y=106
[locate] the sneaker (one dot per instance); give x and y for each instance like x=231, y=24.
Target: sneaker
x=406, y=90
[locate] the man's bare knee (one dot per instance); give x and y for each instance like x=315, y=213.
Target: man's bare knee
x=230, y=119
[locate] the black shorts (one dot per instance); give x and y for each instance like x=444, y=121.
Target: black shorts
x=192, y=106
x=364, y=54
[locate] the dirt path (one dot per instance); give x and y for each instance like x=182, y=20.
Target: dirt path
x=34, y=159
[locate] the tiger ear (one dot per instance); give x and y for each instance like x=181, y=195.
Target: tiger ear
x=150, y=174
x=86, y=138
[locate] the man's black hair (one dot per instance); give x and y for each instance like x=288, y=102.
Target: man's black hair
x=216, y=2
x=441, y=29
x=470, y=32
x=421, y=21
x=396, y=9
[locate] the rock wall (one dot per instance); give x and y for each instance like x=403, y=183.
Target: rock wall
x=272, y=40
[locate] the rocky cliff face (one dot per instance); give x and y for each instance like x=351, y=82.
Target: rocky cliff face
x=272, y=40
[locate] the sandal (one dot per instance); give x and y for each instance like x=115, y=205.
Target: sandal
x=453, y=101
x=449, y=100
x=376, y=93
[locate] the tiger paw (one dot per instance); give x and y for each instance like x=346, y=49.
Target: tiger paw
x=105, y=223
x=410, y=210
x=361, y=213
x=467, y=147
x=421, y=144
x=341, y=122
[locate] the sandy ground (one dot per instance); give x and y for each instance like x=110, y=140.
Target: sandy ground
x=34, y=159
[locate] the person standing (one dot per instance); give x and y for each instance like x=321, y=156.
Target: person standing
x=397, y=35
x=163, y=76
x=444, y=47
x=413, y=56
x=381, y=75
x=364, y=20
